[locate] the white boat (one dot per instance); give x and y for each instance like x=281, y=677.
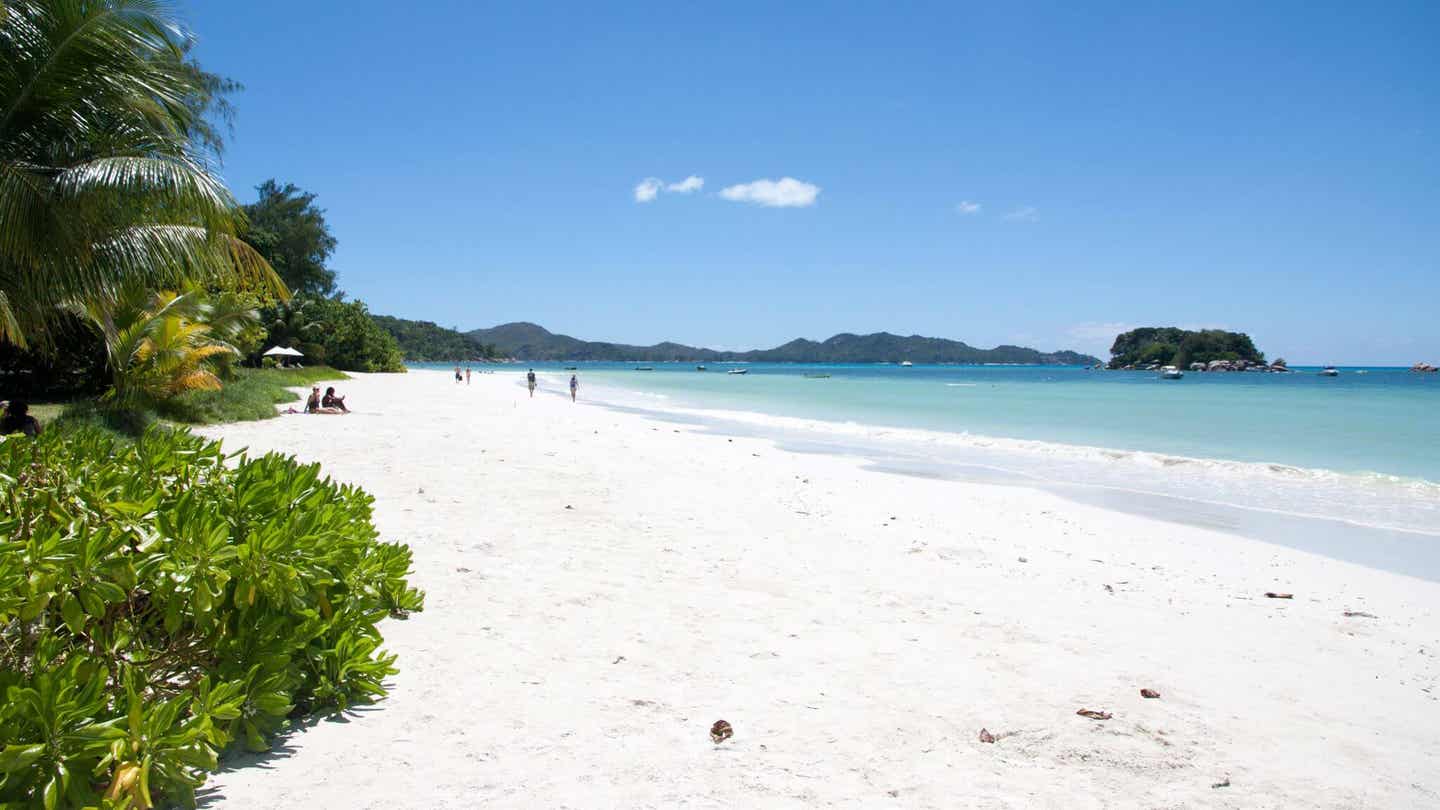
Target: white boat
x=906, y=364
x=1329, y=371
x=1171, y=373
x=738, y=371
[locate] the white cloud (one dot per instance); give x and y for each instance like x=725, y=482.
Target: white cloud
x=966, y=208
x=689, y=184
x=1025, y=213
x=647, y=189
x=787, y=192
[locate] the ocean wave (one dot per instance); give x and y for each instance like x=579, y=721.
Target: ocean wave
x=1076, y=452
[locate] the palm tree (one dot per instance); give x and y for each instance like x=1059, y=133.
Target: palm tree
x=161, y=344
x=103, y=184
x=290, y=324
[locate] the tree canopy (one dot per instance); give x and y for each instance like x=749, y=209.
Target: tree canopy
x=289, y=230
x=103, y=175
x=424, y=340
x=1169, y=345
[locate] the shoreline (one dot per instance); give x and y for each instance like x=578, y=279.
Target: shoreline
x=602, y=587
x=1070, y=470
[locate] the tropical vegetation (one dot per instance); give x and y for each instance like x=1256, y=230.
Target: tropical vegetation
x=126, y=266
x=424, y=340
x=105, y=180
x=289, y=230
x=1169, y=345
x=162, y=601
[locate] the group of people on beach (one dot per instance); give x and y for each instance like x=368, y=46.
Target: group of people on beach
x=329, y=402
x=531, y=383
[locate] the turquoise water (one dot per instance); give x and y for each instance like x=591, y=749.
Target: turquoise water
x=1362, y=447
x=1381, y=421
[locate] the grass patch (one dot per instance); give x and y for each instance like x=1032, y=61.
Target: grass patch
x=47, y=412
x=88, y=412
x=252, y=395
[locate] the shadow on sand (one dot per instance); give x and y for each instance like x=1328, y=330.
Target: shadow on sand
x=281, y=748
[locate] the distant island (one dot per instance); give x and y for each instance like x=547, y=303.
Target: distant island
x=1153, y=346
x=528, y=341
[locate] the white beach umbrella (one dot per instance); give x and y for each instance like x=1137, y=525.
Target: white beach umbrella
x=281, y=351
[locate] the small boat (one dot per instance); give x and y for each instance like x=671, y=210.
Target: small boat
x=738, y=371
x=906, y=364
x=1329, y=371
x=644, y=368
x=570, y=368
x=699, y=368
x=818, y=376
x=1171, y=373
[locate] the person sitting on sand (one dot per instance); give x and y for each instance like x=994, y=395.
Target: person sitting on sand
x=332, y=401
x=17, y=419
x=316, y=404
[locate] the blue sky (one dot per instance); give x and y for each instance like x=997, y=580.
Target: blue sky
x=1042, y=174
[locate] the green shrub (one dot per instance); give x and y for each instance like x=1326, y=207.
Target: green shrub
x=160, y=602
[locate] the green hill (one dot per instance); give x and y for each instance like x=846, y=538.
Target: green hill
x=423, y=340
x=529, y=341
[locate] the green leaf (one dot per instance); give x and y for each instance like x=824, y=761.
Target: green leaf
x=32, y=608
x=73, y=614
x=51, y=794
x=19, y=757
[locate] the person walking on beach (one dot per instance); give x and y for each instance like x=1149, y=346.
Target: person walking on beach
x=574, y=385
x=530, y=381
x=457, y=373
x=467, y=375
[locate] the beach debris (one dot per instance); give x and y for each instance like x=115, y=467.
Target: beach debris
x=986, y=736
x=1223, y=782
x=894, y=794
x=618, y=659
x=462, y=569
x=721, y=731
x=568, y=506
x=1150, y=694
x=1109, y=588
x=1360, y=614
x=420, y=491
x=1277, y=595
x=1094, y=715
x=1022, y=559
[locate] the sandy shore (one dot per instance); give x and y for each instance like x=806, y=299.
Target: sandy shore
x=603, y=587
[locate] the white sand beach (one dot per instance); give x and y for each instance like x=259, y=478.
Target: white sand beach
x=602, y=587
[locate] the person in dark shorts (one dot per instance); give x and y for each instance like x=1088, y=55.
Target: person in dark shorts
x=530, y=381
x=574, y=386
